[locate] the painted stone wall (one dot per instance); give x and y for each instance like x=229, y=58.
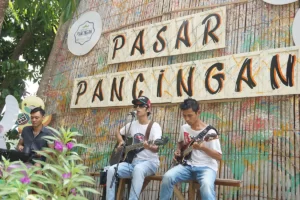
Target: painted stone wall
x=259, y=136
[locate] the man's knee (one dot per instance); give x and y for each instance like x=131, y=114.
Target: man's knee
x=167, y=178
x=138, y=171
x=207, y=185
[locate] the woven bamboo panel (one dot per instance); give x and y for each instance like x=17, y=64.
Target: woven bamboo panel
x=259, y=136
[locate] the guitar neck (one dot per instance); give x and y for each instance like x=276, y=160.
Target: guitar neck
x=135, y=146
x=190, y=148
x=187, y=151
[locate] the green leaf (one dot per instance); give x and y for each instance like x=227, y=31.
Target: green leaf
x=90, y=190
x=84, y=179
x=40, y=191
x=54, y=130
x=74, y=157
x=53, y=169
x=8, y=191
x=76, y=198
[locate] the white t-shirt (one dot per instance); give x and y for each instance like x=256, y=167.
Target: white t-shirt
x=200, y=158
x=137, y=132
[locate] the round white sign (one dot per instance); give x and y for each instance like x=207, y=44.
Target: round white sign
x=296, y=29
x=279, y=2
x=85, y=33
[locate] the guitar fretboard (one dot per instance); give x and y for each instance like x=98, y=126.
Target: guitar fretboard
x=190, y=148
x=135, y=146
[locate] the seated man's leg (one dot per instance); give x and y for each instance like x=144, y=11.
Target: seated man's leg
x=40, y=173
x=206, y=178
x=124, y=171
x=171, y=177
x=142, y=168
x=40, y=166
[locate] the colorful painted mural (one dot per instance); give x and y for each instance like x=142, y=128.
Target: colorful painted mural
x=260, y=136
x=27, y=105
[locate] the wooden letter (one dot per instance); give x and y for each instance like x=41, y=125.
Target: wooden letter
x=81, y=90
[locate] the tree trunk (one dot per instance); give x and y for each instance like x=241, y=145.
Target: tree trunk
x=26, y=38
x=3, y=6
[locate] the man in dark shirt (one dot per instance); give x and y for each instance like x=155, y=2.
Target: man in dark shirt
x=32, y=136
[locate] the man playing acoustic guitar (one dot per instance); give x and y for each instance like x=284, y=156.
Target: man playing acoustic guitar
x=202, y=164
x=146, y=161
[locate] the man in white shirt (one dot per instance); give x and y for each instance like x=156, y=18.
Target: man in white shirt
x=202, y=164
x=146, y=161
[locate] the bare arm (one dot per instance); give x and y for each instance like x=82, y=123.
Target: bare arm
x=119, y=139
x=20, y=145
x=210, y=152
x=153, y=148
x=178, y=149
x=51, y=145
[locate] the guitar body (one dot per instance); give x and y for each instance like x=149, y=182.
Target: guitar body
x=119, y=156
x=130, y=156
x=115, y=156
x=182, y=159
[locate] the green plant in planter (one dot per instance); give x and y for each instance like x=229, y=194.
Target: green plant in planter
x=18, y=180
x=63, y=178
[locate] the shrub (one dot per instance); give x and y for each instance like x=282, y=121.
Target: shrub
x=63, y=174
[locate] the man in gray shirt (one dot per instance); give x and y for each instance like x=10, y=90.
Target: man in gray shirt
x=32, y=136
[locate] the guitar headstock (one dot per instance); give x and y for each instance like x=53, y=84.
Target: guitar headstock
x=161, y=141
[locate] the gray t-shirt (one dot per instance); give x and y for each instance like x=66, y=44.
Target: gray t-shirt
x=34, y=143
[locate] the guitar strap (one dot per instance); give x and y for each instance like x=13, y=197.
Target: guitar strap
x=205, y=131
x=148, y=130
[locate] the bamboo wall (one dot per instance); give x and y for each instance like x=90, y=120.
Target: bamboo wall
x=259, y=136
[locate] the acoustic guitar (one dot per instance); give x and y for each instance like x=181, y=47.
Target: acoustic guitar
x=131, y=150
x=186, y=150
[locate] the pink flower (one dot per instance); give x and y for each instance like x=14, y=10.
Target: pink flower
x=73, y=191
x=25, y=180
x=58, y=146
x=67, y=175
x=69, y=145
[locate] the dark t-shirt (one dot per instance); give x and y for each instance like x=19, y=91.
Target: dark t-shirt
x=34, y=143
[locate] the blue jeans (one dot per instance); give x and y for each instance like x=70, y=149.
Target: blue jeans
x=138, y=170
x=204, y=175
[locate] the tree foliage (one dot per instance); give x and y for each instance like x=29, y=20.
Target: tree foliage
x=28, y=30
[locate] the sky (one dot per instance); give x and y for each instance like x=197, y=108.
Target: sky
x=31, y=87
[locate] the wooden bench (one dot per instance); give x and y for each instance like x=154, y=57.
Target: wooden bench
x=193, y=185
